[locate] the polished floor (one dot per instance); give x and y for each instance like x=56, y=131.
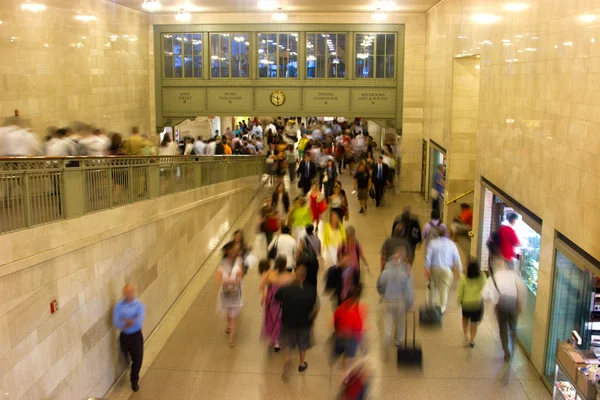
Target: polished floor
x=188, y=356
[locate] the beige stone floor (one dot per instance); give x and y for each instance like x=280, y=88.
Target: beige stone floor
x=188, y=357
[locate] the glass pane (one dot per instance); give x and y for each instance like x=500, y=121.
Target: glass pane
x=168, y=65
x=571, y=292
x=284, y=53
x=198, y=67
x=321, y=53
x=239, y=56
x=197, y=42
x=364, y=55
x=380, y=66
x=187, y=62
x=215, y=61
x=291, y=68
x=187, y=44
x=389, y=65
x=178, y=67
x=263, y=51
x=380, y=44
x=337, y=57
x=390, y=52
x=177, y=43
x=311, y=58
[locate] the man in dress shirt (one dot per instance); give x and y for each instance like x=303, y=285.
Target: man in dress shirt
x=307, y=170
x=211, y=147
x=61, y=145
x=128, y=317
x=199, y=146
x=258, y=131
x=95, y=144
x=441, y=257
x=379, y=177
x=16, y=141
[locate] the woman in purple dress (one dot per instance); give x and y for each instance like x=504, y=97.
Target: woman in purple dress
x=271, y=282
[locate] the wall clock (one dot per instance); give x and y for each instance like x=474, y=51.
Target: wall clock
x=277, y=98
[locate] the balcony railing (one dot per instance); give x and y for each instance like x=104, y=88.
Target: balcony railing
x=39, y=190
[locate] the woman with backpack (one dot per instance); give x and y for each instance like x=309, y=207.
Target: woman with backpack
x=229, y=280
x=469, y=298
x=506, y=291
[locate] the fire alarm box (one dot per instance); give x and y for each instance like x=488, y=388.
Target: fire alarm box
x=53, y=306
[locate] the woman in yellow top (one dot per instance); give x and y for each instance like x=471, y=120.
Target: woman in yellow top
x=302, y=145
x=299, y=216
x=469, y=298
x=334, y=236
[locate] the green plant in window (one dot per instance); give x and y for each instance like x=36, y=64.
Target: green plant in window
x=530, y=262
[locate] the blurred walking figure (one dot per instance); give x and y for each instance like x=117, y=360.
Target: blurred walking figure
x=362, y=183
x=469, y=298
x=334, y=236
x=352, y=248
x=281, y=202
x=128, y=317
x=348, y=321
x=437, y=192
x=300, y=308
x=330, y=178
x=462, y=224
x=441, y=258
x=434, y=222
x=379, y=176
x=285, y=246
x=95, y=144
x=229, y=280
x=300, y=216
x=137, y=145
x=307, y=171
x=411, y=230
x=272, y=281
x=508, y=240
x=506, y=291
x=61, y=145
x=395, y=287
x=16, y=141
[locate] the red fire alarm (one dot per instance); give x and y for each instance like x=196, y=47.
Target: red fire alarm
x=53, y=306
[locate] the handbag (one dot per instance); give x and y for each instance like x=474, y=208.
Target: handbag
x=273, y=250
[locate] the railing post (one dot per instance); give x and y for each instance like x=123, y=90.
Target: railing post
x=197, y=174
x=26, y=198
x=73, y=193
x=153, y=180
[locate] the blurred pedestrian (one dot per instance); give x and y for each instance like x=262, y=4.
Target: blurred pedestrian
x=441, y=260
x=470, y=300
x=229, y=280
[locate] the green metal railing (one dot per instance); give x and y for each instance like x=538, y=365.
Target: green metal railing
x=40, y=190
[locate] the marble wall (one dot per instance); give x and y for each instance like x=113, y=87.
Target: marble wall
x=56, y=69
x=537, y=133
x=83, y=263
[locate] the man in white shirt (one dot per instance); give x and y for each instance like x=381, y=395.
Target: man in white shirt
x=317, y=134
x=258, y=131
x=96, y=144
x=61, y=145
x=211, y=147
x=286, y=247
x=271, y=127
x=199, y=147
x=441, y=257
x=15, y=141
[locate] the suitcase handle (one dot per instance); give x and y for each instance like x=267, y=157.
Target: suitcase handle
x=414, y=329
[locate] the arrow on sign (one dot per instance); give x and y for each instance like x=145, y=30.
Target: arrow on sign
x=325, y=102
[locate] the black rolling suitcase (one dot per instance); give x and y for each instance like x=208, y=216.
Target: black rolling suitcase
x=408, y=356
x=429, y=314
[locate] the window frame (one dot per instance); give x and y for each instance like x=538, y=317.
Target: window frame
x=182, y=55
x=258, y=41
x=385, y=54
x=346, y=70
x=231, y=36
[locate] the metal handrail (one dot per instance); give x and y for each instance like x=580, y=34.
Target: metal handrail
x=459, y=197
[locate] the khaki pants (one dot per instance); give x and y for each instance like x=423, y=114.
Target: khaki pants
x=441, y=280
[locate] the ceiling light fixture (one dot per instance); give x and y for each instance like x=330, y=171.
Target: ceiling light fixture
x=280, y=15
x=151, y=5
x=386, y=5
x=32, y=6
x=515, y=6
x=85, y=18
x=267, y=5
x=378, y=15
x=485, y=19
x=183, y=15
x=587, y=18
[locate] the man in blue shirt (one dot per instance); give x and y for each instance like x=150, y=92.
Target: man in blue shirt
x=128, y=317
x=441, y=258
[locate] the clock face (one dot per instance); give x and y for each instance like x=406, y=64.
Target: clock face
x=277, y=98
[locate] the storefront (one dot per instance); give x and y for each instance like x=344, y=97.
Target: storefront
x=437, y=157
x=575, y=304
x=495, y=208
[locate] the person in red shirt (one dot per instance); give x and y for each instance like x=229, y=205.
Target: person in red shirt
x=348, y=320
x=462, y=224
x=509, y=240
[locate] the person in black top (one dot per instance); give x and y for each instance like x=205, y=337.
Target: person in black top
x=307, y=171
x=361, y=185
x=411, y=230
x=379, y=177
x=299, y=309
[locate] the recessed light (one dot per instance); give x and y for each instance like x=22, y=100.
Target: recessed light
x=151, y=5
x=32, y=6
x=515, y=6
x=85, y=18
x=267, y=5
x=587, y=18
x=485, y=19
x=378, y=15
x=183, y=15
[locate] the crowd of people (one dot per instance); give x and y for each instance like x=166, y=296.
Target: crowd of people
x=296, y=235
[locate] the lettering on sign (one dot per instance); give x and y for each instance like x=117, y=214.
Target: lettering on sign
x=372, y=97
x=184, y=97
x=325, y=97
x=230, y=97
